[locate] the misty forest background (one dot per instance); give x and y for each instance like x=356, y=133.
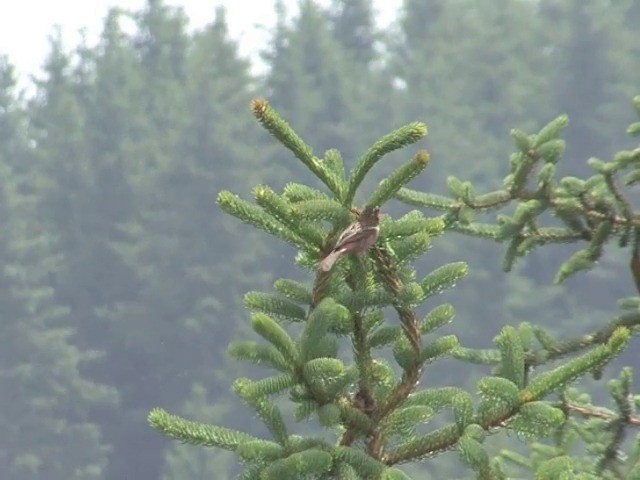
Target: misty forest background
x=122, y=282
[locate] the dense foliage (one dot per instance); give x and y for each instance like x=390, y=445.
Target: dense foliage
x=123, y=282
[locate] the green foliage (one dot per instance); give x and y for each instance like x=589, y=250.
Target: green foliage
x=442, y=278
x=537, y=419
x=594, y=210
x=47, y=392
x=275, y=306
x=271, y=331
x=122, y=282
x=313, y=373
x=393, y=141
x=511, y=356
x=196, y=433
x=347, y=398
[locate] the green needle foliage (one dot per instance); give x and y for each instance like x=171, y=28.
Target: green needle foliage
x=374, y=415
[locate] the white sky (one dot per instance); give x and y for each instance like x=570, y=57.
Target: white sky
x=26, y=24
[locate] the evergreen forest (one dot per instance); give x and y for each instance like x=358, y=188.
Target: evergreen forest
x=124, y=282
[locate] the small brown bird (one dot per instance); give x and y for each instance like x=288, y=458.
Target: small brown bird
x=356, y=238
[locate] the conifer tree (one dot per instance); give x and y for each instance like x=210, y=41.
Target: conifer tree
x=354, y=28
x=48, y=403
x=321, y=74
x=325, y=341
x=479, y=69
x=181, y=157
x=593, y=52
x=590, y=212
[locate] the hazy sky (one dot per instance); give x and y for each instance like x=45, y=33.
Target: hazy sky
x=26, y=24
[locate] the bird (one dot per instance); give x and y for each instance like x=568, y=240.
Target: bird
x=356, y=238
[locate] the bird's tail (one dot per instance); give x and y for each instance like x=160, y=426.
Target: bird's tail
x=328, y=261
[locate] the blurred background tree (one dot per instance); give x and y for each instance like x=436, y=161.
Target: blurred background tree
x=112, y=164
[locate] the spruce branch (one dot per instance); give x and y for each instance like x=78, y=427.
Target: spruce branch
x=399, y=138
x=554, y=349
x=280, y=129
x=297, y=192
x=196, y=433
x=545, y=383
x=634, y=264
x=363, y=399
x=411, y=329
x=598, y=412
x=403, y=175
x=259, y=354
x=499, y=414
x=375, y=412
x=594, y=210
x=253, y=215
x=280, y=209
